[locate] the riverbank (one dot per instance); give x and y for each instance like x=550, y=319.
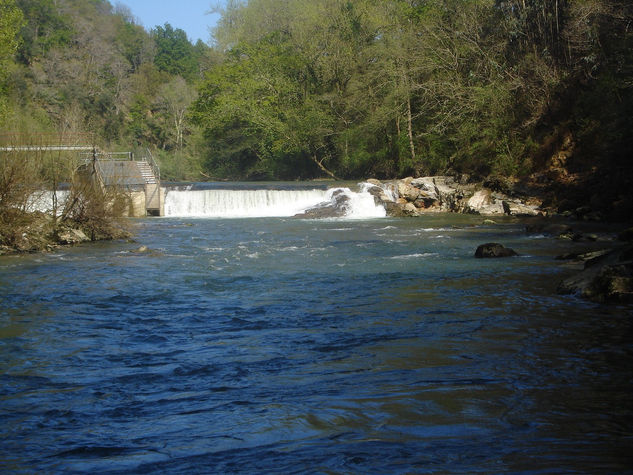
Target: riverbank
x=605, y=271
x=608, y=281
x=588, y=198
x=28, y=232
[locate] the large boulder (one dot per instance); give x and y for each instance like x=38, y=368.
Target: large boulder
x=335, y=208
x=493, y=249
x=607, y=278
x=518, y=208
x=483, y=202
x=440, y=192
x=427, y=186
x=394, y=210
x=71, y=236
x=408, y=192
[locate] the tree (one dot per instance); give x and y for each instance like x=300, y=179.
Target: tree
x=173, y=100
x=174, y=53
x=46, y=28
x=11, y=21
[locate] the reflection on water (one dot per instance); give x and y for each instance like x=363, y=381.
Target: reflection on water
x=283, y=345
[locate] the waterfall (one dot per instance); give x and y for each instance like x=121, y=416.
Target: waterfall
x=240, y=203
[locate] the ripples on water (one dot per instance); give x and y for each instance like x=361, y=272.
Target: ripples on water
x=282, y=345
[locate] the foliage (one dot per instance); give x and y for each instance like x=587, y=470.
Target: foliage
x=11, y=20
x=400, y=87
x=174, y=52
x=73, y=66
x=348, y=88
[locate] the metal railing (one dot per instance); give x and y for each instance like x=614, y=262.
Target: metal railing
x=149, y=158
x=143, y=156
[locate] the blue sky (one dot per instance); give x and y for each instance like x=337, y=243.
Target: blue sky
x=188, y=15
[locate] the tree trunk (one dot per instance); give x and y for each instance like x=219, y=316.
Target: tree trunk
x=410, y=129
x=325, y=170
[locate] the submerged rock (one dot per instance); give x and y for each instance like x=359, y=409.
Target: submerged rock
x=493, y=249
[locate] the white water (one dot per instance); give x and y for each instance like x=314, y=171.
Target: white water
x=264, y=203
x=43, y=201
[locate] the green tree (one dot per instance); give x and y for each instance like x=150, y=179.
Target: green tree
x=11, y=21
x=174, y=53
x=46, y=27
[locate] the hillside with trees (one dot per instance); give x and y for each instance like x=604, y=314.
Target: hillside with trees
x=403, y=87
x=300, y=89
x=77, y=66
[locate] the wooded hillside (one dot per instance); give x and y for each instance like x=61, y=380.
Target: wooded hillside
x=351, y=88
x=84, y=66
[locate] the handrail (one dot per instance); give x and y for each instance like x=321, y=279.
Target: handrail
x=45, y=148
x=153, y=164
x=124, y=156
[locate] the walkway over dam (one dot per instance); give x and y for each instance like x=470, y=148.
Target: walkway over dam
x=136, y=172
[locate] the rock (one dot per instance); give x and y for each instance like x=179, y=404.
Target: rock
x=71, y=236
x=483, y=202
x=335, y=208
x=373, y=181
x=488, y=222
x=606, y=278
x=426, y=200
x=613, y=284
x=408, y=192
x=583, y=256
x=445, y=194
x=515, y=208
x=375, y=190
x=493, y=249
x=394, y=210
x=480, y=199
x=410, y=209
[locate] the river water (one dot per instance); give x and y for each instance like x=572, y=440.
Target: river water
x=278, y=345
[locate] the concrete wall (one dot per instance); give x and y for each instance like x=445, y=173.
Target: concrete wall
x=136, y=207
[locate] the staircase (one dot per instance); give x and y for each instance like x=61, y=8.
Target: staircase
x=125, y=170
x=146, y=172
x=152, y=188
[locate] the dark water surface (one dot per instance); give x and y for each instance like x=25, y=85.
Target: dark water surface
x=289, y=346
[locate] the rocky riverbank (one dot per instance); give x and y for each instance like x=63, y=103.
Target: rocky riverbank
x=605, y=274
x=38, y=232
x=440, y=194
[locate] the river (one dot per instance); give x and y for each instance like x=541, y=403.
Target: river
x=268, y=344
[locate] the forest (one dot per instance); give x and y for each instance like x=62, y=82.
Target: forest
x=349, y=89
